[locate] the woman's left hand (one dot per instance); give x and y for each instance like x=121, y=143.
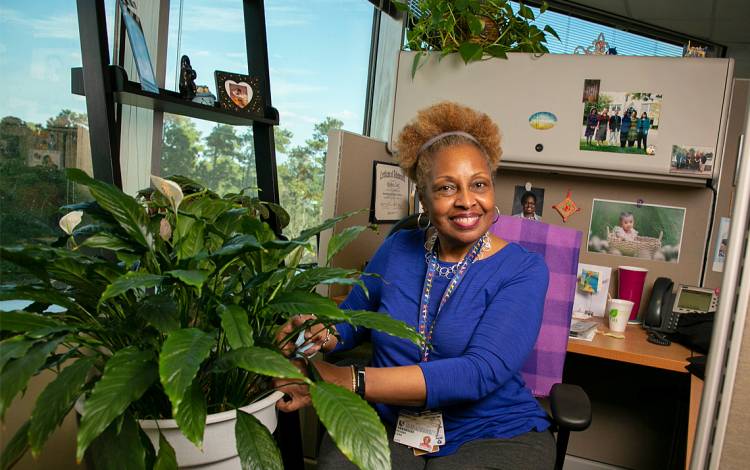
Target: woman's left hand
x=296, y=393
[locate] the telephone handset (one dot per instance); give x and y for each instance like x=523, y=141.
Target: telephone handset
x=664, y=308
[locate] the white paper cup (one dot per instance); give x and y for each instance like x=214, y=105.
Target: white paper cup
x=618, y=311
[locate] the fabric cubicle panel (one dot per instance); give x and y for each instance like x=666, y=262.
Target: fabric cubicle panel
x=696, y=201
x=348, y=187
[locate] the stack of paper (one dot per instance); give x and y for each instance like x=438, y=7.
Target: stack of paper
x=581, y=329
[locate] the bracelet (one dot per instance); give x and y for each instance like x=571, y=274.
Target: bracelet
x=354, y=379
x=359, y=382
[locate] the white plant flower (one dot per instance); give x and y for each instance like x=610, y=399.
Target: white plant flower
x=70, y=221
x=165, y=230
x=169, y=189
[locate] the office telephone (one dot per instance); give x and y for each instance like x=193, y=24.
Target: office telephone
x=665, y=307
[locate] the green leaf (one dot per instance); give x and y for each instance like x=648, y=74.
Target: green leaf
x=237, y=245
x=191, y=415
x=205, y=207
x=193, y=278
x=377, y=321
x=497, y=51
x=329, y=223
x=257, y=448
x=353, y=425
x=13, y=347
x=166, y=459
x=119, y=449
x=129, y=281
x=160, y=311
x=544, y=6
x=42, y=295
x=55, y=401
x=127, y=375
x=300, y=302
x=475, y=26
x=470, y=52
x=181, y=356
x=17, y=372
x=24, y=258
x=129, y=214
x=461, y=5
x=312, y=277
x=261, y=361
x=236, y=327
x=15, y=448
x=340, y=240
x=551, y=31
x=22, y=322
x=526, y=12
x=107, y=241
x=188, y=237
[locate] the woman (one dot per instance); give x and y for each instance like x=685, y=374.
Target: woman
x=480, y=337
x=528, y=206
x=644, y=124
x=591, y=122
x=625, y=128
x=601, y=131
x=633, y=131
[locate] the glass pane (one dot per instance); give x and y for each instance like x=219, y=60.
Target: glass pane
x=43, y=127
x=318, y=58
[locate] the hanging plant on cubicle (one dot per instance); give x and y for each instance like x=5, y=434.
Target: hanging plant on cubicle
x=475, y=29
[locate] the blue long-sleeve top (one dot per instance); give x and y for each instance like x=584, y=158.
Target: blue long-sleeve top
x=480, y=341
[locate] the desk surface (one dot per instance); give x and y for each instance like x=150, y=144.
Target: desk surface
x=633, y=349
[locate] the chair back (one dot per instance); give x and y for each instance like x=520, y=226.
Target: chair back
x=559, y=246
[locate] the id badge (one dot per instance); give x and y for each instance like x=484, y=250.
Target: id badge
x=423, y=432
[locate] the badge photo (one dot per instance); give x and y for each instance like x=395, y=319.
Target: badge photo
x=238, y=92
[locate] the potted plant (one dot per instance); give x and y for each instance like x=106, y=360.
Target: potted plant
x=171, y=305
x=475, y=29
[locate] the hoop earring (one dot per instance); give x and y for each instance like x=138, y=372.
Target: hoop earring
x=497, y=216
x=419, y=221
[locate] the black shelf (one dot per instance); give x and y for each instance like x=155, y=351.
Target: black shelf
x=130, y=93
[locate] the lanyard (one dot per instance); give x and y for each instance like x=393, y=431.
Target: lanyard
x=432, y=267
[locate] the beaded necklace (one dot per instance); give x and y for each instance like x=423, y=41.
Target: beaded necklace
x=432, y=268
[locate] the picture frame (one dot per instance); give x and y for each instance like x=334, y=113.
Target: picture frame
x=520, y=193
x=389, y=201
x=239, y=93
x=129, y=12
x=592, y=289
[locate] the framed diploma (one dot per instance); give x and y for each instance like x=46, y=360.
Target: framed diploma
x=390, y=193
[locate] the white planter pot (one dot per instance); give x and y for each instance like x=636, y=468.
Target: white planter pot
x=219, y=445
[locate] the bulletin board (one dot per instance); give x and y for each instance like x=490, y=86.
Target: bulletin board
x=538, y=102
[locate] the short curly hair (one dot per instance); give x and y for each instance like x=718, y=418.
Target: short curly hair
x=437, y=119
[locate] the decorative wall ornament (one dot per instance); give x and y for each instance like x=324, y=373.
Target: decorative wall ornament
x=566, y=207
x=598, y=47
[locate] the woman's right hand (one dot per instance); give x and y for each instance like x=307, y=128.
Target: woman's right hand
x=316, y=336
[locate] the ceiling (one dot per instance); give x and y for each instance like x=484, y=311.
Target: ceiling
x=724, y=22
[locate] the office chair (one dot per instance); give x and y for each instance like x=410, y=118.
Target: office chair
x=543, y=370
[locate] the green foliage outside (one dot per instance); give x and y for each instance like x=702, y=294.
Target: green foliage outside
x=649, y=220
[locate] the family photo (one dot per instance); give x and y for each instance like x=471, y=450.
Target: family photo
x=621, y=122
x=691, y=160
x=645, y=231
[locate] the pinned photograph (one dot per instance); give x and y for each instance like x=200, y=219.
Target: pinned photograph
x=592, y=288
x=722, y=242
x=646, y=231
x=691, y=160
x=621, y=122
x=239, y=92
x=528, y=203
x=591, y=90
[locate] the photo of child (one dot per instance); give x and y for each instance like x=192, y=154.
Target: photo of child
x=646, y=231
x=238, y=94
x=625, y=230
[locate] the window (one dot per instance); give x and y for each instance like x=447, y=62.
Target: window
x=318, y=58
x=43, y=127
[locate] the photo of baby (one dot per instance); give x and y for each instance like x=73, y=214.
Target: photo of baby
x=645, y=231
x=238, y=94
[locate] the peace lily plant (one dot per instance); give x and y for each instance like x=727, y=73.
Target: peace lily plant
x=171, y=302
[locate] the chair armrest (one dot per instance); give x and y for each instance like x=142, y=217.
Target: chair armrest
x=571, y=407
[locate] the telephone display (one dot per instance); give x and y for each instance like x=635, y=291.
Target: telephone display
x=695, y=300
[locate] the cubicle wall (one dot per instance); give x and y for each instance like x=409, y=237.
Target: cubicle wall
x=692, y=110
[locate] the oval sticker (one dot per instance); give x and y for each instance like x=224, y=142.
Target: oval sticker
x=542, y=120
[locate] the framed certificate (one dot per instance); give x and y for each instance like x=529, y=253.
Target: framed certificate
x=390, y=193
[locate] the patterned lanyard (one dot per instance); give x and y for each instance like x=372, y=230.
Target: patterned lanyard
x=432, y=267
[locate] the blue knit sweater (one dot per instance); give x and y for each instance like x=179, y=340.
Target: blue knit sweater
x=480, y=342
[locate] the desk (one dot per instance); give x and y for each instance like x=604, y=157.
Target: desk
x=635, y=349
